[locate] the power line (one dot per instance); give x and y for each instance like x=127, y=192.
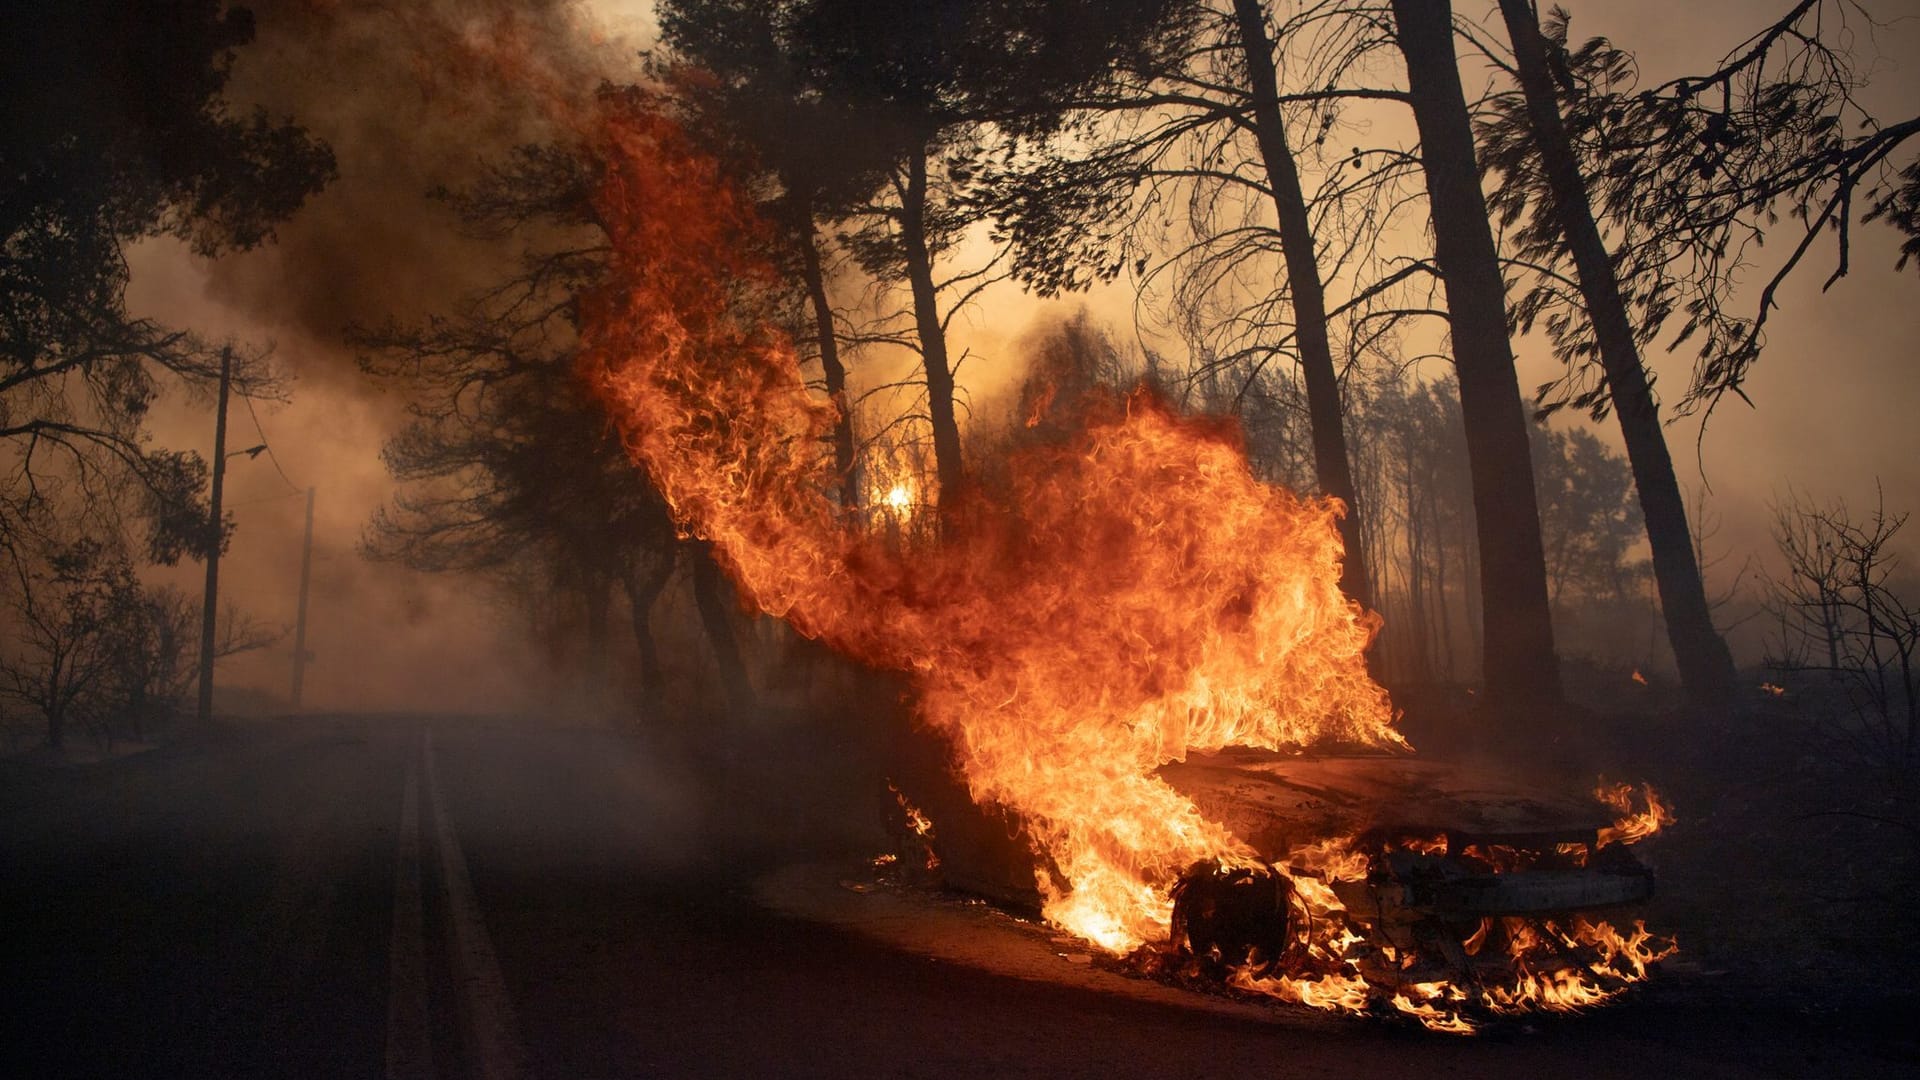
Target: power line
x=271, y=456
x=264, y=499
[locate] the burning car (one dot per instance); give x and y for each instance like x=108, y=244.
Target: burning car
x=1379, y=883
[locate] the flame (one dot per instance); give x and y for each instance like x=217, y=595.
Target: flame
x=1135, y=595
x=1633, y=825
x=1434, y=1017
x=1518, y=964
x=917, y=821
x=1130, y=594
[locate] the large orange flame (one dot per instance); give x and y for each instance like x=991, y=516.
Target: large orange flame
x=1135, y=595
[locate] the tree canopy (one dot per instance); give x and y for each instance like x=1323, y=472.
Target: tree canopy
x=114, y=129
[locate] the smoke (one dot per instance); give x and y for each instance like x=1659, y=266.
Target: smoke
x=412, y=97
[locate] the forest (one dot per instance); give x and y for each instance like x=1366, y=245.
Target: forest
x=1275, y=272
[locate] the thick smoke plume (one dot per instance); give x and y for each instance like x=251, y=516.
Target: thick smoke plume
x=414, y=98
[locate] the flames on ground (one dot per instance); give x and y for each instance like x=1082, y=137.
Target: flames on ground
x=1337, y=924
x=1133, y=595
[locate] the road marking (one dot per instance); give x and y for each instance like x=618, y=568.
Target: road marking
x=487, y=1021
x=409, y=1040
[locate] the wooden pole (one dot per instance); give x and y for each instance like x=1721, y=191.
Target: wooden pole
x=300, y=654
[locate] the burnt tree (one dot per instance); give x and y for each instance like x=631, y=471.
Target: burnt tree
x=1306, y=290
x=1706, y=666
x=943, y=83
x=1520, y=664
x=509, y=463
x=1197, y=115
x=731, y=66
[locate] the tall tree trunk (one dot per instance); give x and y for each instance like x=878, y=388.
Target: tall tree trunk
x=1706, y=666
x=643, y=591
x=1470, y=583
x=1420, y=667
x=829, y=344
x=926, y=317
x=709, y=597
x=1331, y=469
x=56, y=709
x=597, y=593
x=1521, y=668
x=1445, y=613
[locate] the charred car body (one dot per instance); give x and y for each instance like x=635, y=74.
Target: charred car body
x=1430, y=888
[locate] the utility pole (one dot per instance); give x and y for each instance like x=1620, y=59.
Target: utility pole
x=300, y=655
x=211, y=610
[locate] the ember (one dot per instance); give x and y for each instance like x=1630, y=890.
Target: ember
x=919, y=826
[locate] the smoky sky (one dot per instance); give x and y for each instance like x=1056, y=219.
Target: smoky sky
x=1835, y=395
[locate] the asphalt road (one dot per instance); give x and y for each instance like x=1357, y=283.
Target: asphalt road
x=408, y=897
